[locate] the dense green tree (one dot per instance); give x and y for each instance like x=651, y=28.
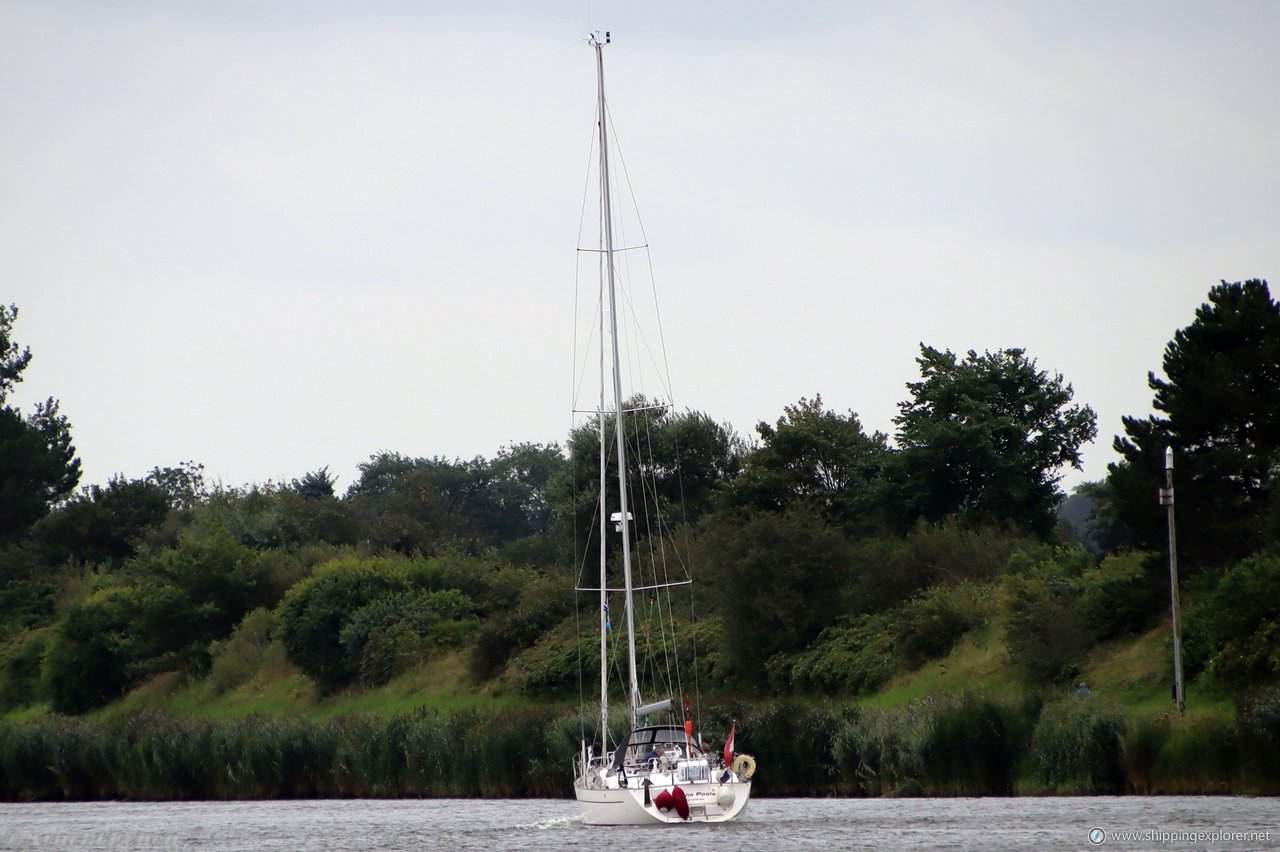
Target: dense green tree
x=396, y=632
x=184, y=484
x=160, y=613
x=276, y=516
x=315, y=611
x=38, y=464
x=1045, y=633
x=418, y=505
x=102, y=525
x=986, y=437
x=819, y=459
x=522, y=476
x=87, y=661
x=1218, y=407
x=1239, y=623
x=674, y=462
x=316, y=485
x=776, y=579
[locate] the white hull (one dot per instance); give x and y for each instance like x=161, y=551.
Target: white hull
x=626, y=806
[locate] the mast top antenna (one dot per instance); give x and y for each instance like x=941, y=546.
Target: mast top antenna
x=598, y=39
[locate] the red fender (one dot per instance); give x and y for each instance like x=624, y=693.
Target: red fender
x=682, y=802
x=665, y=800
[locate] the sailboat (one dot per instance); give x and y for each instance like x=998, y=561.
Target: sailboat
x=659, y=772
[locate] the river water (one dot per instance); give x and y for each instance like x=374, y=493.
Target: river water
x=1129, y=822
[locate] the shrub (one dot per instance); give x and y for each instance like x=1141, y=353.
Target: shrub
x=87, y=661
x=776, y=581
x=394, y=632
x=890, y=570
x=1043, y=631
x=860, y=655
x=20, y=668
x=534, y=606
x=1122, y=594
x=314, y=612
x=854, y=658
x=238, y=657
x=1242, y=622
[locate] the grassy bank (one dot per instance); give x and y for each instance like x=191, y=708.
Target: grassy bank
x=959, y=726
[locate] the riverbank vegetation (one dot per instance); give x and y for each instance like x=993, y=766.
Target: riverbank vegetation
x=905, y=615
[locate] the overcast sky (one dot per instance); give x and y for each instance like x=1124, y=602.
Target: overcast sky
x=274, y=236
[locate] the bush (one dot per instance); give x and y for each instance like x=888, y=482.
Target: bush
x=314, y=612
x=238, y=657
x=88, y=658
x=929, y=625
x=394, y=632
x=855, y=658
x=553, y=667
x=1122, y=595
x=1045, y=635
x=860, y=655
x=20, y=668
x=534, y=606
x=888, y=571
x=775, y=580
x=1242, y=621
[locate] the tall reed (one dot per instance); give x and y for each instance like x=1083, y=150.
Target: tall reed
x=1201, y=756
x=1077, y=747
x=970, y=745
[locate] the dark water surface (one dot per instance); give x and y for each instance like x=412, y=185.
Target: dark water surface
x=1130, y=822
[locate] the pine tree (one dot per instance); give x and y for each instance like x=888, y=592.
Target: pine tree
x=1219, y=409
x=38, y=464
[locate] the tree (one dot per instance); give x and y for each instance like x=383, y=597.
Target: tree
x=1046, y=635
x=1219, y=409
x=521, y=476
x=183, y=484
x=674, y=461
x=776, y=580
x=818, y=459
x=316, y=485
x=102, y=525
x=159, y=613
x=986, y=437
x=314, y=612
x=38, y=464
x=416, y=505
x=1240, y=623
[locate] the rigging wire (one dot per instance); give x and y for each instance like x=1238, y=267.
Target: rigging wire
x=660, y=541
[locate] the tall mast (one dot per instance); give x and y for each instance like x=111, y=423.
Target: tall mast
x=624, y=516
x=603, y=512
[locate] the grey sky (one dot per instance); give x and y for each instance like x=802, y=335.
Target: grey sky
x=274, y=236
